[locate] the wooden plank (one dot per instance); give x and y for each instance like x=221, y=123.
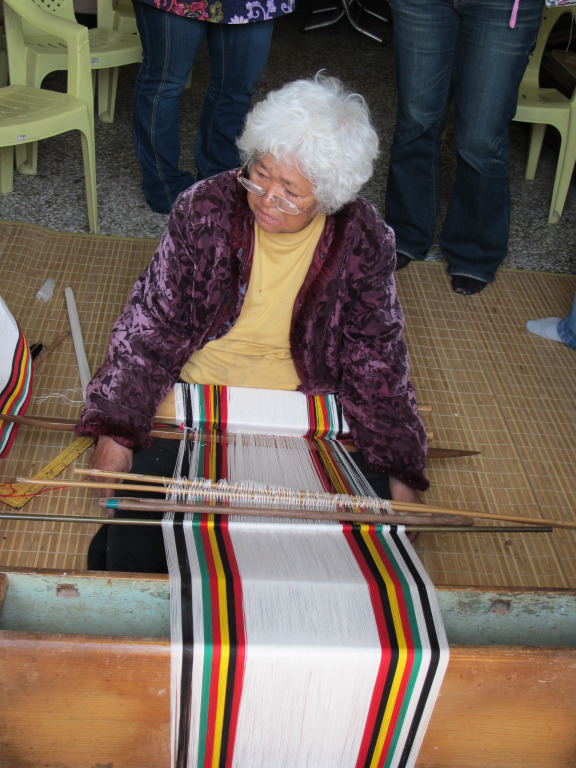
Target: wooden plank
x=87, y=702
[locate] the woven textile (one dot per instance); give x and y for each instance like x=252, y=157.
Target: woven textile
x=15, y=375
x=299, y=644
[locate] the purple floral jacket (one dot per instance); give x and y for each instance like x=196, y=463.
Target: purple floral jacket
x=346, y=335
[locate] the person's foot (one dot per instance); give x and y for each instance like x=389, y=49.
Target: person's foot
x=547, y=328
x=467, y=286
x=402, y=260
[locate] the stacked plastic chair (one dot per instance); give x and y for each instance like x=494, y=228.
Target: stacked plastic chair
x=547, y=106
x=28, y=113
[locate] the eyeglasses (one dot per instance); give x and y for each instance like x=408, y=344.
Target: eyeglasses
x=283, y=205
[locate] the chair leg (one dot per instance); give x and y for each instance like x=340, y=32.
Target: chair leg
x=27, y=158
x=107, y=85
x=537, y=132
x=6, y=169
x=89, y=157
x=564, y=171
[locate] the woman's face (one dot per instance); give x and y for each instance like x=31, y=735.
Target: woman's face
x=280, y=180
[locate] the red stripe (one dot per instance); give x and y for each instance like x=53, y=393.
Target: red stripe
x=384, y=665
x=20, y=354
x=21, y=370
x=406, y=628
x=240, y=640
x=318, y=465
x=224, y=409
x=311, y=416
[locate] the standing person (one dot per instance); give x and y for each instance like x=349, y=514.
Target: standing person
x=238, y=35
x=472, y=54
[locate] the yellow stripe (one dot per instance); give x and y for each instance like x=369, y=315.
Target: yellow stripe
x=402, y=647
x=21, y=377
x=332, y=469
x=224, y=645
x=320, y=423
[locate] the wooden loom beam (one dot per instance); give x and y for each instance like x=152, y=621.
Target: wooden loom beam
x=168, y=432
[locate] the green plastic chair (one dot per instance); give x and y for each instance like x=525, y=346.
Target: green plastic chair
x=29, y=114
x=547, y=106
x=3, y=62
x=119, y=15
x=109, y=49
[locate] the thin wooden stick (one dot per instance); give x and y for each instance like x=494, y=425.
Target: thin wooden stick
x=175, y=433
x=397, y=506
x=96, y=520
x=286, y=498
x=50, y=348
x=163, y=505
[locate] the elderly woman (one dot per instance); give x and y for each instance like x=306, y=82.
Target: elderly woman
x=276, y=275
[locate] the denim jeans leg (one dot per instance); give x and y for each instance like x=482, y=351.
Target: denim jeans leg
x=489, y=64
x=238, y=54
x=169, y=47
x=567, y=328
x=425, y=33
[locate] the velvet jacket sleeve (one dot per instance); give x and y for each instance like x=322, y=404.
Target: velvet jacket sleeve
x=360, y=345
x=167, y=316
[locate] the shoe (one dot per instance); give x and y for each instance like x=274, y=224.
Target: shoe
x=402, y=261
x=467, y=286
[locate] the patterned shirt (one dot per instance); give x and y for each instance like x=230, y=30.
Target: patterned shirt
x=226, y=11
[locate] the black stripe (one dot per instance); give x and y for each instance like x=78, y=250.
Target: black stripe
x=383, y=592
x=231, y=674
x=340, y=416
x=434, y=646
x=188, y=413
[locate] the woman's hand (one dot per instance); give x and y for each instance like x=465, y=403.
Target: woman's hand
x=112, y=457
x=402, y=492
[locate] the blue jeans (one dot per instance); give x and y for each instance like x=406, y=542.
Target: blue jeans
x=464, y=52
x=567, y=328
x=237, y=55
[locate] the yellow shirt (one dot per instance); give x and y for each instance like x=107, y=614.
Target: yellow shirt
x=256, y=351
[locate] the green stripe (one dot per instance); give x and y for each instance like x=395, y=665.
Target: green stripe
x=417, y=643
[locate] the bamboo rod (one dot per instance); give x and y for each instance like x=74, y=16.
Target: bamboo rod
x=170, y=432
x=223, y=490
x=95, y=520
x=380, y=518
x=397, y=506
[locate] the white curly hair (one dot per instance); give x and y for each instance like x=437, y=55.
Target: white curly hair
x=323, y=129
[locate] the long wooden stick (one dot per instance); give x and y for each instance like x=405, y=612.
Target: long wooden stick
x=96, y=520
x=397, y=506
x=175, y=433
x=163, y=505
x=50, y=348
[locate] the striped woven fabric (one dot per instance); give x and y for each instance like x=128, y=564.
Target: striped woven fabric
x=299, y=644
x=258, y=411
x=15, y=375
x=275, y=437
